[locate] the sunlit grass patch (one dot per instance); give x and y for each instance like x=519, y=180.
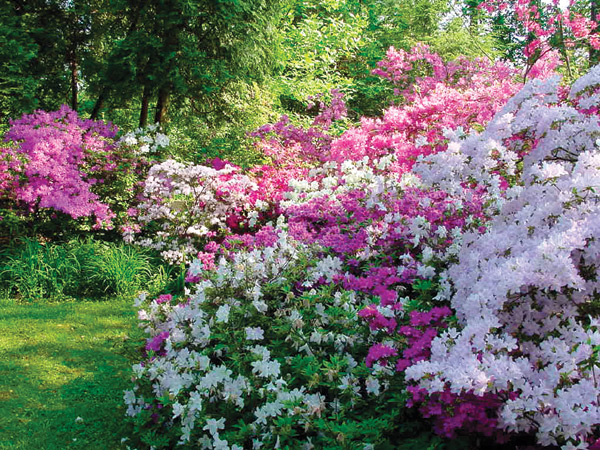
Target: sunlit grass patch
x=63, y=369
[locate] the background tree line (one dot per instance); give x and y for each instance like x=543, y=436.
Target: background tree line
x=212, y=69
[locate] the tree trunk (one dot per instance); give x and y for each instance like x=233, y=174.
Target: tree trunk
x=99, y=104
x=73, y=83
x=594, y=53
x=162, y=104
x=144, y=110
x=71, y=58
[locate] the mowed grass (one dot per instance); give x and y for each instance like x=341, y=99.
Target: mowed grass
x=63, y=369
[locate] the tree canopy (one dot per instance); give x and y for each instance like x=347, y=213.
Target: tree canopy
x=218, y=67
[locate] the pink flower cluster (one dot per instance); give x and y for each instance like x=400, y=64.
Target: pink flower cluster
x=451, y=413
x=544, y=21
x=53, y=160
x=434, y=96
x=466, y=413
x=378, y=234
x=291, y=145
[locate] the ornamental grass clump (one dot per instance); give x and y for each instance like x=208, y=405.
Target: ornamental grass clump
x=34, y=270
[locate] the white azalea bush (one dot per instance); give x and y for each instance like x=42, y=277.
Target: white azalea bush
x=523, y=291
x=244, y=360
x=185, y=205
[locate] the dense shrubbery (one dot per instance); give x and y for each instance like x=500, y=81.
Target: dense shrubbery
x=521, y=290
x=440, y=259
x=459, y=287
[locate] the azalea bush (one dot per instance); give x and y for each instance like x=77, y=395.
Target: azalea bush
x=49, y=163
x=248, y=361
x=549, y=27
x=184, y=206
x=55, y=166
x=433, y=96
x=434, y=261
x=305, y=287
x=524, y=288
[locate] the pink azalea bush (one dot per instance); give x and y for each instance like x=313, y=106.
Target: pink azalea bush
x=434, y=96
x=56, y=162
x=290, y=145
x=46, y=164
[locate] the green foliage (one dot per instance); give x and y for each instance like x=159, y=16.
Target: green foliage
x=18, y=84
x=219, y=69
x=317, y=343
x=217, y=127
x=176, y=50
x=38, y=271
x=77, y=269
x=320, y=39
x=109, y=269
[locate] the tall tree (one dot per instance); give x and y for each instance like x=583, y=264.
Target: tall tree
x=52, y=47
x=18, y=50
x=188, y=49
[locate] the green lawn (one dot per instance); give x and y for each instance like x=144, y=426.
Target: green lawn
x=63, y=369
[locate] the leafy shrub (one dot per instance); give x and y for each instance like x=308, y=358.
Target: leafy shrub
x=49, y=161
x=520, y=291
x=246, y=360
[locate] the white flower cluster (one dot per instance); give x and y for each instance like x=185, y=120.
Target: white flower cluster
x=149, y=139
x=332, y=178
x=197, y=370
x=521, y=286
x=189, y=202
